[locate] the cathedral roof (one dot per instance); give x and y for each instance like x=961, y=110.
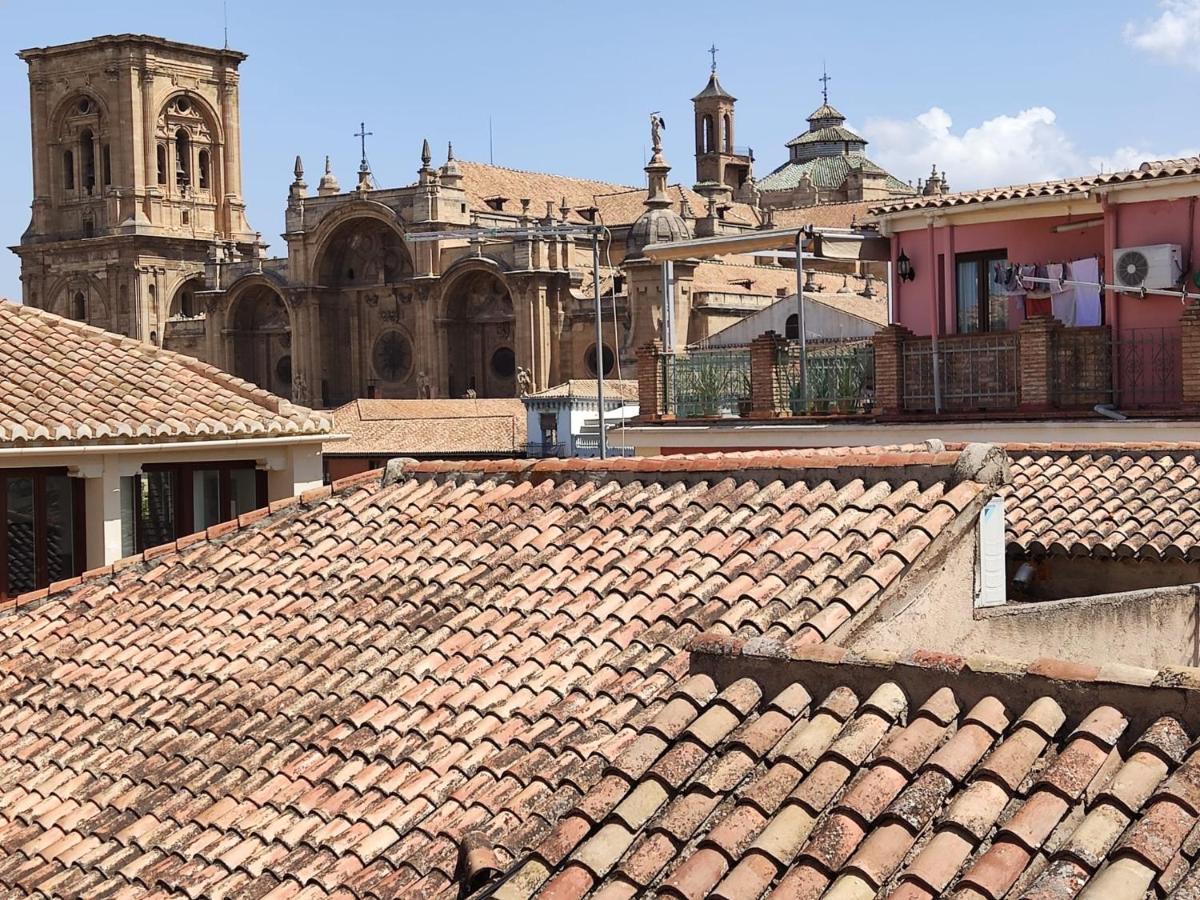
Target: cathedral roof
x=825, y=111
x=430, y=428
x=483, y=182
x=655, y=226
x=829, y=173
x=714, y=89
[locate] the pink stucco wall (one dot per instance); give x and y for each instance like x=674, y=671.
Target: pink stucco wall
x=1034, y=241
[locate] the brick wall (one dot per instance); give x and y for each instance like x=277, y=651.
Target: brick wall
x=650, y=382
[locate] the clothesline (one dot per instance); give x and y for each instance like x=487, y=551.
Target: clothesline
x=1119, y=288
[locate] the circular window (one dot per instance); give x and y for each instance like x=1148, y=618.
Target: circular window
x=85, y=106
x=283, y=369
x=504, y=363
x=392, y=356
x=590, y=359
x=183, y=104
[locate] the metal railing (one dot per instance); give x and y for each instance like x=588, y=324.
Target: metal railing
x=1081, y=370
x=544, y=450
x=976, y=371
x=1148, y=368
x=703, y=383
x=839, y=378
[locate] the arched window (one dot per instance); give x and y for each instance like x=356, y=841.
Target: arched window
x=87, y=153
x=202, y=169
x=183, y=159
x=727, y=124
x=69, y=170
x=162, y=164
x=187, y=304
x=791, y=328
x=709, y=143
x=79, y=307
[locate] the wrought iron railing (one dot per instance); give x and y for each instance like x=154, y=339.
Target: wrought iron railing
x=975, y=372
x=703, y=383
x=543, y=450
x=1148, y=368
x=1081, y=370
x=839, y=377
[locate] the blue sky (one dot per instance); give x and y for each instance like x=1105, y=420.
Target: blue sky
x=1025, y=91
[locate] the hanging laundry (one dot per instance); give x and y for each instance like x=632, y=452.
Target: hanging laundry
x=1087, y=299
x=1062, y=296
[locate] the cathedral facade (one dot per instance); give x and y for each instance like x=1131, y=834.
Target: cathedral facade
x=139, y=227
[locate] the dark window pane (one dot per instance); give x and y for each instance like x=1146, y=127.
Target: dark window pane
x=244, y=484
x=206, y=498
x=60, y=527
x=22, y=549
x=156, y=508
x=997, y=297
x=968, y=297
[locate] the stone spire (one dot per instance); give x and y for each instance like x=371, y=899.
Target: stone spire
x=426, y=174
x=659, y=222
x=451, y=173
x=299, y=188
x=329, y=183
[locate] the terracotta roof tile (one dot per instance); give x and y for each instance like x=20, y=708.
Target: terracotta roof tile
x=324, y=701
x=1031, y=809
x=430, y=428
x=1148, y=171
x=1104, y=501
x=66, y=381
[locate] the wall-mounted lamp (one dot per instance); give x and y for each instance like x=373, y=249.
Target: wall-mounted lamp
x=904, y=267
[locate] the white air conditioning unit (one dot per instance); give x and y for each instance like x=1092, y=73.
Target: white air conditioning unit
x=1153, y=268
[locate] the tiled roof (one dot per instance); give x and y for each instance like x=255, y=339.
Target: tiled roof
x=827, y=173
x=823, y=215
x=822, y=135
x=585, y=388
x=430, y=428
x=483, y=182
x=828, y=774
x=722, y=277
x=63, y=381
x=1167, y=168
x=1107, y=501
x=624, y=207
x=714, y=89
x=324, y=700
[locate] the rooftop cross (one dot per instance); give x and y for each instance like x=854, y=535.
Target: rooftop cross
x=713, y=50
x=363, y=134
x=824, y=79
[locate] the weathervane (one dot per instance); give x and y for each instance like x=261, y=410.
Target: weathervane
x=824, y=79
x=713, y=50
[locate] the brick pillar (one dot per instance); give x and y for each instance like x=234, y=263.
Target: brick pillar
x=764, y=359
x=1190, y=322
x=650, y=382
x=1037, y=361
x=889, y=369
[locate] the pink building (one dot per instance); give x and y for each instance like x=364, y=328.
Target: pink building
x=947, y=237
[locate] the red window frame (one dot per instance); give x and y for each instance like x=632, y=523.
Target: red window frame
x=41, y=557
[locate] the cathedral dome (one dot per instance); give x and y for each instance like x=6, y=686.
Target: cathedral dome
x=655, y=226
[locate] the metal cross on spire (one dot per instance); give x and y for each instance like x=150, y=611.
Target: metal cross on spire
x=824, y=79
x=363, y=134
x=713, y=50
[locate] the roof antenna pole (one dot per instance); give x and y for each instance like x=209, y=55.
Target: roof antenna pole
x=225, y=15
x=602, y=443
x=491, y=155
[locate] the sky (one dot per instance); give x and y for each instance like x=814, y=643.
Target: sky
x=992, y=94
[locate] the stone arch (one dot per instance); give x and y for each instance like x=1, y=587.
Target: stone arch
x=62, y=299
x=202, y=107
x=186, y=127
x=360, y=246
x=258, y=336
x=477, y=307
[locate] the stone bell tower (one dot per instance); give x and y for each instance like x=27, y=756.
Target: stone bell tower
x=136, y=180
x=722, y=169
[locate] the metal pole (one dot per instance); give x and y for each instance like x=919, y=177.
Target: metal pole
x=891, y=289
x=800, y=320
x=603, y=441
x=668, y=289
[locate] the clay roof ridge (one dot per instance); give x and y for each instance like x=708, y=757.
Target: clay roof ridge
x=255, y=517
x=1078, y=687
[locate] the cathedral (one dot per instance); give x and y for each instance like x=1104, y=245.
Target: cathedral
x=138, y=226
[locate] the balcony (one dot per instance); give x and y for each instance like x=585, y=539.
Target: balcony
x=1042, y=370
x=539, y=450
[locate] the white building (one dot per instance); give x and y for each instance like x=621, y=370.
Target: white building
x=565, y=420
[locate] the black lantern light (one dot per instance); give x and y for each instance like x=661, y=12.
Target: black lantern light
x=904, y=267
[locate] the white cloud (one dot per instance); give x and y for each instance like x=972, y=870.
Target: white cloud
x=1173, y=36
x=1006, y=149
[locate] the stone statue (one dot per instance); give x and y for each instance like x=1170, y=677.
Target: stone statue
x=470, y=394
x=524, y=382
x=657, y=124
x=424, y=389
